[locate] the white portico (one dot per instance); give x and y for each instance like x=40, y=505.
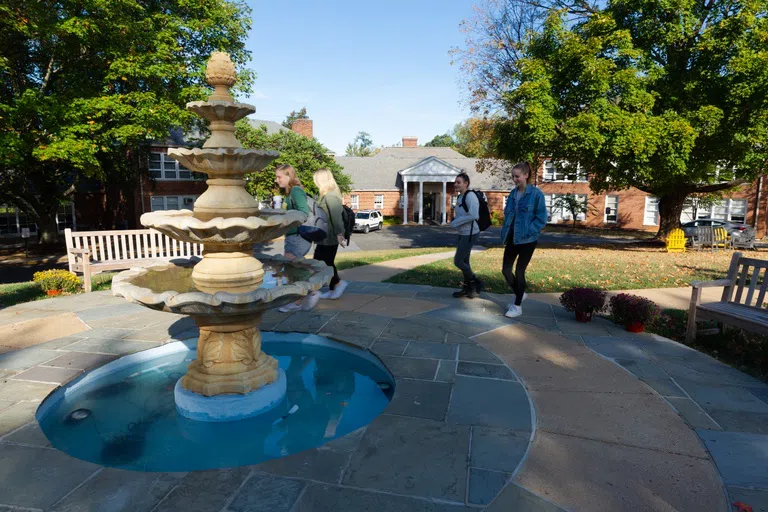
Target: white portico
x=432, y=175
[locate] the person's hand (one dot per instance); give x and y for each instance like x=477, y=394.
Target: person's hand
x=342, y=241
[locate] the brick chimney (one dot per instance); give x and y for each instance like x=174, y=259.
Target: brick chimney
x=410, y=142
x=303, y=127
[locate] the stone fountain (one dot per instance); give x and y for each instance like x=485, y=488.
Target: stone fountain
x=227, y=290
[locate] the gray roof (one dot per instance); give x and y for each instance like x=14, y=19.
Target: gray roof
x=381, y=172
x=272, y=127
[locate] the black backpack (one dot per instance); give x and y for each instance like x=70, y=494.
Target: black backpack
x=484, y=221
x=348, y=219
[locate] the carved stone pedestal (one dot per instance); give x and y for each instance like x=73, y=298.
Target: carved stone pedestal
x=229, y=358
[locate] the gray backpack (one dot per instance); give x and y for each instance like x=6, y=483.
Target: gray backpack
x=315, y=228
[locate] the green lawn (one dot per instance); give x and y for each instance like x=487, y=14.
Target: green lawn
x=554, y=269
x=16, y=293
x=347, y=260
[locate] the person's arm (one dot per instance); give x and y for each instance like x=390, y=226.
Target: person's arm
x=539, y=212
x=299, y=199
x=473, y=210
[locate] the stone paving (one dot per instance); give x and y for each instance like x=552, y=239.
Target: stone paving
x=537, y=414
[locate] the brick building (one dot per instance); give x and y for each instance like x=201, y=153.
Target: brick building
x=395, y=179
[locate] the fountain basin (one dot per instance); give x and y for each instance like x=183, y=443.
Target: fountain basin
x=124, y=414
x=170, y=287
x=182, y=225
x=223, y=162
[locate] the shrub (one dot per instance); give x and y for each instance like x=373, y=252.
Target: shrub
x=392, y=220
x=57, y=280
x=497, y=218
x=583, y=300
x=627, y=308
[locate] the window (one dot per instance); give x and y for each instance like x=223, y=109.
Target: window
x=651, y=213
x=611, y=208
x=557, y=212
x=7, y=220
x=163, y=167
x=65, y=217
x=563, y=172
x=172, y=202
x=734, y=210
x=360, y=215
x=378, y=201
x=354, y=201
x=402, y=201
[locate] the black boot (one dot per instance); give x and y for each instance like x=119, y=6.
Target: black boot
x=464, y=292
x=478, y=285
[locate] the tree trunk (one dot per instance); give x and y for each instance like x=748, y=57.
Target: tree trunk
x=48, y=231
x=670, y=210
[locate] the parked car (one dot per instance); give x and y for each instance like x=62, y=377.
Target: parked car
x=733, y=228
x=366, y=220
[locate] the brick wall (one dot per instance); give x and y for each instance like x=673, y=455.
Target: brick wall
x=410, y=142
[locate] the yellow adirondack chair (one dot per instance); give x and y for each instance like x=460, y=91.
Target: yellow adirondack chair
x=721, y=238
x=676, y=241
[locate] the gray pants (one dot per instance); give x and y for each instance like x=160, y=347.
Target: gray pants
x=461, y=258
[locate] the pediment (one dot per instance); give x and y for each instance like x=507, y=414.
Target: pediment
x=431, y=166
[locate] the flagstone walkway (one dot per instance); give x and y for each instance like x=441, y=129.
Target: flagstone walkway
x=536, y=414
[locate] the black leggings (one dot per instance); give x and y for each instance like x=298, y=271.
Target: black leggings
x=523, y=254
x=327, y=254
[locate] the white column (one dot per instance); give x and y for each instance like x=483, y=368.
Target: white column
x=421, y=202
x=405, y=201
x=442, y=204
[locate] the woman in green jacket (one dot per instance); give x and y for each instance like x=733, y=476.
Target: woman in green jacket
x=288, y=181
x=331, y=203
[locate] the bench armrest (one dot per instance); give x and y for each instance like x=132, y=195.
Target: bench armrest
x=710, y=284
x=79, y=251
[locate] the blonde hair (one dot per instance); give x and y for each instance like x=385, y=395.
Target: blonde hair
x=325, y=182
x=293, y=178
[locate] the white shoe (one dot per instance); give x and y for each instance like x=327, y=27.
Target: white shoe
x=326, y=295
x=309, y=302
x=288, y=308
x=340, y=287
x=525, y=296
x=513, y=311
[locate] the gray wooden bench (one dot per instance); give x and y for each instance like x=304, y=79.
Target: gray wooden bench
x=93, y=252
x=742, y=304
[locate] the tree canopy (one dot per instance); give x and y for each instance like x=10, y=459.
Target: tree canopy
x=361, y=145
x=85, y=85
x=670, y=99
x=294, y=115
x=304, y=154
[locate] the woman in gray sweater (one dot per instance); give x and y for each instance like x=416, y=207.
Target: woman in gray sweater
x=466, y=213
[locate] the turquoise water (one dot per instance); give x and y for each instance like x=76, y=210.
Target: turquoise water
x=132, y=421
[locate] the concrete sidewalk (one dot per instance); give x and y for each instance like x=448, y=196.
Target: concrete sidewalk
x=378, y=272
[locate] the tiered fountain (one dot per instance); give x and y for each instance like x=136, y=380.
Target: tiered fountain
x=235, y=405
x=224, y=292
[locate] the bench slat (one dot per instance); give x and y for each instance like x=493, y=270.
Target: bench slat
x=752, y=284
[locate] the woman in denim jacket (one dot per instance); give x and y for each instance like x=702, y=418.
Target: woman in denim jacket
x=525, y=215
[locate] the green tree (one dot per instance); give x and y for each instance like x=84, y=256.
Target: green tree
x=361, y=145
x=441, y=141
x=641, y=94
x=305, y=155
x=294, y=115
x=573, y=205
x=85, y=85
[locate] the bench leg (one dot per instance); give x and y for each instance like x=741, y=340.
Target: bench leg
x=86, y=276
x=690, y=334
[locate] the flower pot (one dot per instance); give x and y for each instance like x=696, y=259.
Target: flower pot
x=582, y=316
x=634, y=326
x=53, y=293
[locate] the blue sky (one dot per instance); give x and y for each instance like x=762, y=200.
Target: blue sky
x=379, y=67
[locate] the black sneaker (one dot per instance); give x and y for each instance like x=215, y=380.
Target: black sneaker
x=478, y=285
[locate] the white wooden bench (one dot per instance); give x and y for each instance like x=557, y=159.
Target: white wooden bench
x=742, y=304
x=92, y=252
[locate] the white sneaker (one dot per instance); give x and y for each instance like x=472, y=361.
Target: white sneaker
x=309, y=302
x=513, y=311
x=326, y=295
x=340, y=287
x=290, y=307
x=525, y=296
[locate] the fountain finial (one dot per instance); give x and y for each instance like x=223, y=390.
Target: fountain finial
x=220, y=73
